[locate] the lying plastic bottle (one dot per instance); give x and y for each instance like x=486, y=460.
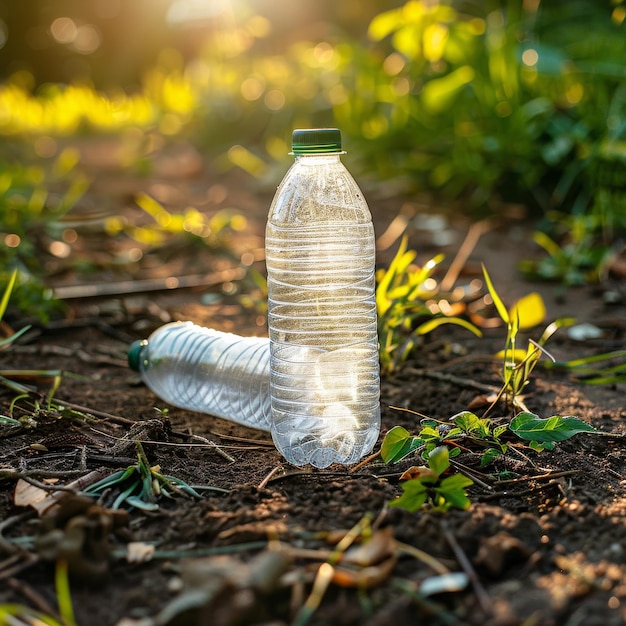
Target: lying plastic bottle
x=206, y=370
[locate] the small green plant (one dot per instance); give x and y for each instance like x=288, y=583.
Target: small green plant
x=140, y=485
x=439, y=442
x=608, y=368
x=466, y=431
x=4, y=303
x=33, y=202
x=465, y=427
x=518, y=364
x=434, y=485
x=403, y=315
x=575, y=257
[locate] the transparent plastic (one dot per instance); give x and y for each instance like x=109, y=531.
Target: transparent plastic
x=209, y=371
x=324, y=367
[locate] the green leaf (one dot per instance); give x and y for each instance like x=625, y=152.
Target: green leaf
x=4, y=302
x=439, y=93
x=428, y=433
x=552, y=248
x=108, y=481
x=439, y=460
x=530, y=427
x=182, y=485
x=452, y=490
x=398, y=444
x=540, y=447
x=15, y=335
x=138, y=503
x=124, y=495
x=502, y=312
x=435, y=322
x=384, y=24
x=489, y=456
x=414, y=496
x=498, y=431
x=469, y=422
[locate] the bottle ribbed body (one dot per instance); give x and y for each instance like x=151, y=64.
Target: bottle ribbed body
x=212, y=372
x=324, y=368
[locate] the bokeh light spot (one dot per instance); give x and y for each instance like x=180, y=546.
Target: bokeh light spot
x=575, y=93
x=252, y=88
x=45, y=147
x=323, y=52
x=274, y=100
x=70, y=235
x=64, y=30
x=530, y=57
x=134, y=255
x=60, y=249
x=394, y=64
x=87, y=39
x=12, y=240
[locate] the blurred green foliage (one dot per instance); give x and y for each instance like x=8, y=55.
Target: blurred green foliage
x=33, y=200
x=483, y=104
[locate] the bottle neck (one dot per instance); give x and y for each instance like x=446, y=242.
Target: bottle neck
x=318, y=159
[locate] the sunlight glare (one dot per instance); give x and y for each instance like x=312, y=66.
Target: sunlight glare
x=182, y=11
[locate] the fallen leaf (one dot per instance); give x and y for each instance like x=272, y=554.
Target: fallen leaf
x=380, y=546
x=365, y=577
x=418, y=472
x=27, y=494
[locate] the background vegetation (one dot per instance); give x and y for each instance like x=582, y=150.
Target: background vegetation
x=482, y=104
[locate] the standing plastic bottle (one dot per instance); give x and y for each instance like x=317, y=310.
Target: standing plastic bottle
x=206, y=370
x=320, y=255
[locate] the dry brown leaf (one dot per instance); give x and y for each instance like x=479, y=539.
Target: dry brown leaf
x=380, y=546
x=28, y=495
x=418, y=472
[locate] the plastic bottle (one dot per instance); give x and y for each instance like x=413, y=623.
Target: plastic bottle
x=206, y=370
x=320, y=255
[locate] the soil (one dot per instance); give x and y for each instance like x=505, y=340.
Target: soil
x=543, y=542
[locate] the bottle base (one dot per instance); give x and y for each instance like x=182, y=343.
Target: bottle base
x=320, y=448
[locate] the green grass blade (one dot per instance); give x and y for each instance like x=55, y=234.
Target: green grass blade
x=4, y=302
x=502, y=310
x=15, y=335
x=109, y=481
x=125, y=495
x=64, y=597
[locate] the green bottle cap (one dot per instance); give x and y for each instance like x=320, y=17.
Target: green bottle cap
x=316, y=141
x=134, y=353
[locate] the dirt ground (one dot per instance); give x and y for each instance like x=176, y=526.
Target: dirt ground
x=543, y=543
